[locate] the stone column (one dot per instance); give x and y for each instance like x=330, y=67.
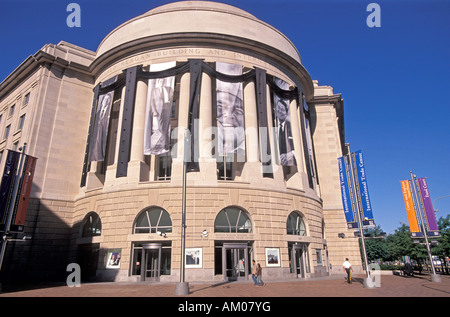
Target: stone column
x=183, y=112
x=110, y=175
x=252, y=171
x=207, y=163
x=296, y=180
x=251, y=123
x=138, y=169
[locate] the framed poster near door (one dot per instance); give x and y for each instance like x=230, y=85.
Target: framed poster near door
x=273, y=257
x=113, y=259
x=194, y=258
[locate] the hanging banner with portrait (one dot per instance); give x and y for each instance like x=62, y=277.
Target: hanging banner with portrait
x=100, y=134
x=284, y=131
x=230, y=112
x=158, y=112
x=7, y=184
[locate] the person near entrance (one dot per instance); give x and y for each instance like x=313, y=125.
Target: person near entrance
x=254, y=272
x=259, y=275
x=348, y=268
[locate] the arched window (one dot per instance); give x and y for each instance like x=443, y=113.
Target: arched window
x=92, y=226
x=233, y=219
x=295, y=224
x=152, y=220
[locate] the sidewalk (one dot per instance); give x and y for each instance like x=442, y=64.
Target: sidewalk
x=333, y=286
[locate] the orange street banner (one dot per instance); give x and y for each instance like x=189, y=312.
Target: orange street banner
x=410, y=211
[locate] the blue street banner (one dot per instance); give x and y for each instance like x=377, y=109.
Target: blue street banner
x=367, y=216
x=345, y=194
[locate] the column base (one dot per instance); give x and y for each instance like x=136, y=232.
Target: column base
x=182, y=288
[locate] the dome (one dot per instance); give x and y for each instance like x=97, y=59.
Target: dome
x=202, y=18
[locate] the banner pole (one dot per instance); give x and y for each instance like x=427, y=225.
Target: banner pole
x=434, y=277
x=12, y=206
x=358, y=218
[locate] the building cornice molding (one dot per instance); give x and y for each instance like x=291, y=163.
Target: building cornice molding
x=245, y=46
x=31, y=64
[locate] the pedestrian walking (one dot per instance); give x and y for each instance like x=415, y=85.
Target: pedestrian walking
x=348, y=268
x=259, y=275
x=254, y=272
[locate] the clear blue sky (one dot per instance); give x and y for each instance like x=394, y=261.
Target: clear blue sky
x=395, y=80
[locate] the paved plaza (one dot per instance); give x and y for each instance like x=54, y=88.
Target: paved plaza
x=332, y=286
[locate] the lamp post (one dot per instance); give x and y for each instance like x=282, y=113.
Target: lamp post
x=434, y=201
x=182, y=288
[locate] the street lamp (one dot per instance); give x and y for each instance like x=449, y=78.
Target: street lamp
x=182, y=288
x=434, y=201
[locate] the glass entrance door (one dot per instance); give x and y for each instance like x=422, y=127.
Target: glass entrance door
x=152, y=262
x=298, y=256
x=296, y=260
x=235, y=262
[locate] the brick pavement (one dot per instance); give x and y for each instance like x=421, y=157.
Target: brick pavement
x=333, y=286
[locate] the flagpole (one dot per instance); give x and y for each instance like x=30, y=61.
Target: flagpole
x=12, y=206
x=434, y=277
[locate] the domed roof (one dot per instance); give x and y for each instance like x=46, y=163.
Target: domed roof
x=198, y=5
x=198, y=17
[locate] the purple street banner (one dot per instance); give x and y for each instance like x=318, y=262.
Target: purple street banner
x=345, y=194
x=367, y=216
x=432, y=226
x=6, y=185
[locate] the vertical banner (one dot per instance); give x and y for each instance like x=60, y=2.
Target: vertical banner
x=432, y=225
x=6, y=186
x=367, y=216
x=284, y=132
x=410, y=211
x=24, y=194
x=158, y=112
x=345, y=194
x=230, y=111
x=100, y=134
x=308, y=138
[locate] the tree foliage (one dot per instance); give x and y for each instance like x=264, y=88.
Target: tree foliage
x=394, y=246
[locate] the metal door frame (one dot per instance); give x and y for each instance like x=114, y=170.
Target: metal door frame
x=231, y=246
x=302, y=265
x=145, y=254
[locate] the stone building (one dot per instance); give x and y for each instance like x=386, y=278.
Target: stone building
x=109, y=196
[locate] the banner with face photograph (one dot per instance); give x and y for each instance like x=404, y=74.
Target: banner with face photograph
x=7, y=183
x=100, y=134
x=284, y=131
x=158, y=112
x=230, y=112
x=309, y=139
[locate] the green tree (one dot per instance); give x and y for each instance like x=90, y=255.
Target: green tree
x=442, y=250
x=376, y=246
x=400, y=244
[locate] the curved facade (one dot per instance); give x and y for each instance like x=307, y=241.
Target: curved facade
x=197, y=107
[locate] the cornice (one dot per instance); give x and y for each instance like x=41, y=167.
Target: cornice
x=31, y=64
x=245, y=46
